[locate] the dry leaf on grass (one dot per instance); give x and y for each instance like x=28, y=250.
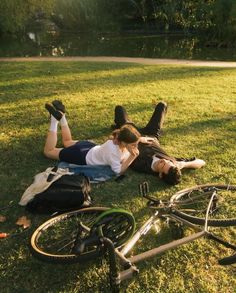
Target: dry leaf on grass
x=2, y=219
x=23, y=221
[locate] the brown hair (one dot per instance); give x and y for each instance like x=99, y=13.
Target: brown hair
x=173, y=176
x=126, y=134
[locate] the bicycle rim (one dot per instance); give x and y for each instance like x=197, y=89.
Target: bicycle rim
x=53, y=241
x=117, y=224
x=191, y=203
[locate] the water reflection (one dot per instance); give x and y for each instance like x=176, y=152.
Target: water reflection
x=53, y=43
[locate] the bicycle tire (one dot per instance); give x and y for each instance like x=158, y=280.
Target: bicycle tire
x=117, y=225
x=52, y=241
x=179, y=199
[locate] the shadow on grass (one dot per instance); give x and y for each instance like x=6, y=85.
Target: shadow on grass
x=198, y=126
x=23, y=70
x=51, y=85
x=28, y=156
x=50, y=277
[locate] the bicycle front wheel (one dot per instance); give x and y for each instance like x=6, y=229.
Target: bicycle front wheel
x=54, y=240
x=191, y=204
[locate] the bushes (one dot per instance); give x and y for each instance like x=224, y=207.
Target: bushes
x=15, y=14
x=215, y=19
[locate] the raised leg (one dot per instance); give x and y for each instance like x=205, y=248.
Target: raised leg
x=121, y=117
x=50, y=149
x=66, y=133
x=57, y=114
x=155, y=123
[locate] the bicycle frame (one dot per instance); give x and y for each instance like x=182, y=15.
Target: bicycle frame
x=116, y=277
x=91, y=231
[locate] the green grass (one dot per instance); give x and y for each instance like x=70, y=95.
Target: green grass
x=201, y=121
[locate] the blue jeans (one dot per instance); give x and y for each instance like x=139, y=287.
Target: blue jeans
x=96, y=173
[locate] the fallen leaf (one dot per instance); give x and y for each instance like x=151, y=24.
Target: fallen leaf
x=23, y=221
x=2, y=218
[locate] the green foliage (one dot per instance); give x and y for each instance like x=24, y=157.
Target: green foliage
x=215, y=18
x=15, y=14
x=224, y=20
x=200, y=122
x=85, y=15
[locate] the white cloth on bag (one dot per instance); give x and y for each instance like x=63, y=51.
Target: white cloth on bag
x=40, y=183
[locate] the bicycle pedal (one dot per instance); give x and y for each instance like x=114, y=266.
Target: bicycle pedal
x=144, y=188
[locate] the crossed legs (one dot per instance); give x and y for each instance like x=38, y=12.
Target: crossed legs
x=50, y=149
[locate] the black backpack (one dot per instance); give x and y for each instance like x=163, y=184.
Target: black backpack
x=69, y=192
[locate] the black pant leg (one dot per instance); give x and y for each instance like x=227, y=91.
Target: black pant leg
x=121, y=117
x=155, y=123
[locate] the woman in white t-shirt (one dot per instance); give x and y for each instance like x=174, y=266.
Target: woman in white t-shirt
x=118, y=152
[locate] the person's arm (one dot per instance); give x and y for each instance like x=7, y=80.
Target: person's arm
x=126, y=163
x=134, y=152
x=195, y=164
x=146, y=139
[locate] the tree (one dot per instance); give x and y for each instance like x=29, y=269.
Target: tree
x=15, y=14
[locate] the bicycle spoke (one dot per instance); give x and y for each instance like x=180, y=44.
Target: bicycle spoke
x=55, y=239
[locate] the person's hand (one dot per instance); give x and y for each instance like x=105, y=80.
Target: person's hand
x=133, y=150
x=146, y=139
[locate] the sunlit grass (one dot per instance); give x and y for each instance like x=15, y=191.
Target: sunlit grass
x=201, y=121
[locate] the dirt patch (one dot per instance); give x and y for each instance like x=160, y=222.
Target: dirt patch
x=146, y=61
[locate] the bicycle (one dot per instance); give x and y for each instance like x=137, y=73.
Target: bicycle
x=82, y=235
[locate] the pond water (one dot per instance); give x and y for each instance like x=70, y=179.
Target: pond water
x=55, y=43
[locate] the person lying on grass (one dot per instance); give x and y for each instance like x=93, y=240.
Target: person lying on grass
x=118, y=152
x=152, y=158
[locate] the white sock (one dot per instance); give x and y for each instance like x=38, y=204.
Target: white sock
x=53, y=125
x=63, y=121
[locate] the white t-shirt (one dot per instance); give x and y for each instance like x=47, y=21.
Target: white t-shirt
x=107, y=154
x=154, y=160
x=179, y=164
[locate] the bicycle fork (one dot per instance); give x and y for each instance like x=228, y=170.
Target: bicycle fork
x=114, y=275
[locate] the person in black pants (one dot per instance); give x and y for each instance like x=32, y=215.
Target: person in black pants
x=152, y=158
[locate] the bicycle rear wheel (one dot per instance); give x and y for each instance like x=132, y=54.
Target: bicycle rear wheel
x=191, y=203
x=54, y=240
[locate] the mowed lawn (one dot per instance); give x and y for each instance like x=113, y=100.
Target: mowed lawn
x=201, y=122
